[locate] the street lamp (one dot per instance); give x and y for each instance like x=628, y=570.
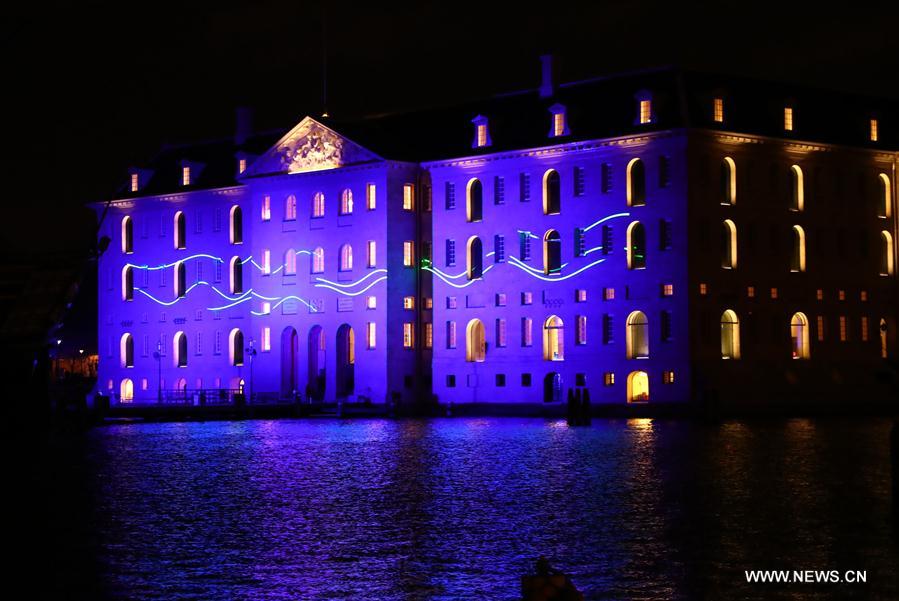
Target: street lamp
x=251, y=352
x=158, y=356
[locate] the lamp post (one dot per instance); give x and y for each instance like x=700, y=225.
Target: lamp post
x=251, y=352
x=158, y=356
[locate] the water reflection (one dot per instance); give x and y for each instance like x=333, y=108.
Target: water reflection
x=459, y=509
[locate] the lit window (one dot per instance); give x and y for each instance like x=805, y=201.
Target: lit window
x=886, y=253
x=820, y=294
x=241, y=165
x=864, y=327
x=609, y=378
x=718, y=110
x=799, y=336
x=266, y=339
x=501, y=333
x=408, y=302
x=636, y=246
x=372, y=247
x=266, y=207
x=180, y=231
x=527, y=331
x=429, y=335
x=408, y=253
x=318, y=260
x=885, y=206
x=318, y=204
x=667, y=289
x=371, y=302
x=235, y=347
x=428, y=302
x=637, y=343
x=134, y=182
x=451, y=334
x=797, y=260
x=730, y=335
x=370, y=197
x=408, y=336
x=797, y=189
x=290, y=208
x=645, y=111
x=703, y=289
x=608, y=293
x=636, y=183
x=552, y=193
x=408, y=197
x=844, y=329
x=481, y=132
x=750, y=291
x=581, y=337
x=127, y=235
x=841, y=295
x=126, y=350
x=668, y=377
x=370, y=334
x=128, y=283
x=185, y=176
x=474, y=202
x=788, y=118
x=266, y=308
x=482, y=135
x=728, y=181
x=863, y=295
x=820, y=327
x=236, y=275
x=580, y=295
x=527, y=298
x=729, y=245
x=290, y=262
x=872, y=133
x=774, y=293
x=346, y=202
x=266, y=262
x=346, y=258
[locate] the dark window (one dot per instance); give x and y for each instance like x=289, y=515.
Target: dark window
x=236, y=225
x=500, y=379
x=524, y=181
x=637, y=184
x=580, y=246
x=608, y=335
x=475, y=200
x=552, y=193
x=129, y=283
x=637, y=246
x=475, y=258
x=664, y=234
x=578, y=181
x=408, y=381
x=450, y=196
x=664, y=172
x=665, y=321
x=499, y=248
x=451, y=381
x=552, y=252
x=450, y=253
x=607, y=240
x=580, y=379
x=180, y=231
x=525, y=379
x=499, y=190
x=524, y=243
x=182, y=350
x=180, y=280
x=426, y=251
x=127, y=235
x=606, y=178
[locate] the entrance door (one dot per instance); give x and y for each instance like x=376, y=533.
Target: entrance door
x=289, y=349
x=316, y=375
x=346, y=361
x=552, y=388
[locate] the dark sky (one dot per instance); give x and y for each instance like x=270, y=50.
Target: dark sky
x=93, y=87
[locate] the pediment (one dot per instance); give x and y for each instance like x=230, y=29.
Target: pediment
x=310, y=146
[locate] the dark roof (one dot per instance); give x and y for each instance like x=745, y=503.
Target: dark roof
x=598, y=108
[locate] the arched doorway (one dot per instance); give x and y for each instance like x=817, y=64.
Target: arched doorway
x=289, y=350
x=553, y=339
x=475, y=344
x=346, y=361
x=126, y=390
x=638, y=387
x=730, y=335
x=181, y=388
x=552, y=252
x=316, y=376
x=883, y=339
x=552, y=388
x=799, y=336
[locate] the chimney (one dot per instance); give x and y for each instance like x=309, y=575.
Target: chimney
x=243, y=124
x=546, y=81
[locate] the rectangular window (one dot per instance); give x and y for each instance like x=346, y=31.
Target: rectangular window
x=774, y=293
x=819, y=294
x=608, y=336
x=370, y=335
x=788, y=118
x=863, y=295
x=482, y=134
x=134, y=182
x=524, y=244
x=371, y=197
x=408, y=302
x=218, y=271
x=578, y=181
x=217, y=343
x=427, y=302
x=426, y=196
x=450, y=196
x=718, y=110
x=864, y=329
x=606, y=173
x=499, y=248
x=500, y=332
x=499, y=190
x=500, y=380
x=501, y=299
x=665, y=322
x=872, y=133
x=408, y=253
x=667, y=289
x=703, y=289
x=525, y=380
x=266, y=339
x=820, y=328
x=241, y=165
x=608, y=378
x=558, y=124
x=664, y=172
x=371, y=302
x=266, y=262
x=450, y=253
x=198, y=221
x=266, y=208
x=527, y=335
x=581, y=337
x=408, y=335
x=664, y=234
x=450, y=381
x=841, y=295
x=580, y=243
x=580, y=295
x=844, y=329
x=266, y=307
x=145, y=346
x=451, y=334
x=750, y=291
x=217, y=220
x=372, y=248
x=524, y=183
x=645, y=111
x=608, y=294
x=668, y=377
x=451, y=302
x=607, y=240
x=408, y=197
x=527, y=298
x=185, y=176
x=429, y=335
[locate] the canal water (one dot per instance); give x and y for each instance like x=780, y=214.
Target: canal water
x=461, y=508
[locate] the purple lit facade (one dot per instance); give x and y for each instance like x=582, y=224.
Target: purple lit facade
x=542, y=248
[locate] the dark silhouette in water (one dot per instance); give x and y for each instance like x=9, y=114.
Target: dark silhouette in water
x=549, y=584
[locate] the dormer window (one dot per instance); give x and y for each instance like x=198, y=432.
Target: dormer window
x=718, y=110
x=644, y=108
x=241, y=165
x=135, y=181
x=185, y=175
x=481, y=132
x=559, y=123
x=788, y=118
x=872, y=130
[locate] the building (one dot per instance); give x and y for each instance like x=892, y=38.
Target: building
x=654, y=237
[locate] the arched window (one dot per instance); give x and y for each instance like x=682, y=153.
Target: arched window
x=290, y=262
x=728, y=182
x=475, y=343
x=180, y=279
x=127, y=235
x=636, y=246
x=318, y=204
x=797, y=258
x=637, y=336
x=179, y=342
x=553, y=339
x=346, y=202
x=474, y=206
x=729, y=245
x=236, y=276
x=797, y=189
x=886, y=196
x=883, y=338
x=799, y=336
x=127, y=283
x=318, y=260
x=236, y=225
x=126, y=350
x=886, y=253
x=346, y=258
x=552, y=193
x=637, y=387
x=126, y=390
x=475, y=258
x=730, y=335
x=552, y=252
x=235, y=347
x=180, y=231
x=290, y=208
x=636, y=183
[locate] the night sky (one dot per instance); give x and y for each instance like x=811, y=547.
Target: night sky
x=95, y=87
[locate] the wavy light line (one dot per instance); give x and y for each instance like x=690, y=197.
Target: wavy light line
x=157, y=267
x=559, y=279
x=590, y=250
x=229, y=306
x=604, y=219
x=282, y=301
x=455, y=285
x=345, y=293
x=535, y=270
x=192, y=286
x=352, y=284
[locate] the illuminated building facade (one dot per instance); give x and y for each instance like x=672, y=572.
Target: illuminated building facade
x=654, y=237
